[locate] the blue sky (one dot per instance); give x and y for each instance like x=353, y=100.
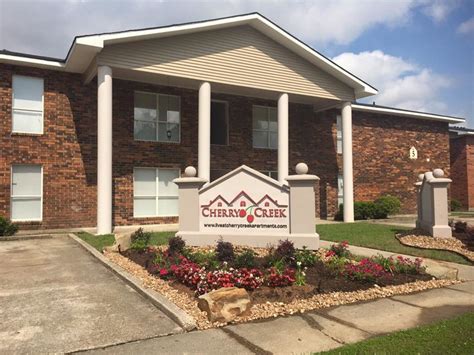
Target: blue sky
x=418, y=53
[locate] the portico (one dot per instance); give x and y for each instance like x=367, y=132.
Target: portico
x=278, y=68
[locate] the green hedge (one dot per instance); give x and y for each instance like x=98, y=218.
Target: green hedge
x=379, y=209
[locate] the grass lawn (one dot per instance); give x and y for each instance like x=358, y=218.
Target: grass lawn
x=453, y=336
x=462, y=214
x=380, y=236
x=101, y=241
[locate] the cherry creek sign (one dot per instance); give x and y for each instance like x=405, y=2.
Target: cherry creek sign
x=245, y=202
x=247, y=207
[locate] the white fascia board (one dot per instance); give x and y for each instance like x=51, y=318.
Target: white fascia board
x=129, y=36
x=394, y=111
x=31, y=62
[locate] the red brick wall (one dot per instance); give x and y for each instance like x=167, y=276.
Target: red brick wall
x=470, y=171
x=68, y=148
x=462, y=170
x=381, y=159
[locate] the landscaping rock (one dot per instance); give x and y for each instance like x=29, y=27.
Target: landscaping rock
x=122, y=243
x=225, y=304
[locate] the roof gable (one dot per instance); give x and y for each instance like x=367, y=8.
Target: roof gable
x=239, y=56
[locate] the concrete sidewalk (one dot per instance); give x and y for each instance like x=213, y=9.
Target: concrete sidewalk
x=314, y=331
x=55, y=297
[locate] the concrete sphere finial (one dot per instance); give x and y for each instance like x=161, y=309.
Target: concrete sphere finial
x=438, y=173
x=421, y=176
x=190, y=171
x=301, y=168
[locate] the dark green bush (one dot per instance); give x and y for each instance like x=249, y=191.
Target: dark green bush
x=364, y=210
x=370, y=210
x=455, y=205
x=7, y=228
x=139, y=240
x=225, y=251
x=388, y=205
x=176, y=245
x=245, y=259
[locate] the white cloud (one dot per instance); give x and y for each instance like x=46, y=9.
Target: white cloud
x=400, y=83
x=48, y=26
x=439, y=10
x=467, y=26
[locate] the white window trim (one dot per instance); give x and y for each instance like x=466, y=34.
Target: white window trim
x=156, y=196
x=157, y=122
x=28, y=110
x=265, y=130
x=25, y=196
x=226, y=119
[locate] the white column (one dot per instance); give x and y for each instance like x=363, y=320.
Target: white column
x=104, y=150
x=348, y=179
x=282, y=137
x=204, y=139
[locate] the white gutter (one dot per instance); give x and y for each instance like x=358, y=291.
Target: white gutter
x=397, y=112
x=32, y=62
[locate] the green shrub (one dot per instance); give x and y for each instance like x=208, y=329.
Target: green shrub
x=245, y=259
x=379, y=209
x=7, y=228
x=203, y=259
x=388, y=205
x=339, y=216
x=456, y=205
x=139, y=240
x=364, y=210
x=306, y=257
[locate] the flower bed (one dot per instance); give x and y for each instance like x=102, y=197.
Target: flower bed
x=280, y=274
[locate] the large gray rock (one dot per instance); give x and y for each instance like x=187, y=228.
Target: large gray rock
x=224, y=304
x=122, y=243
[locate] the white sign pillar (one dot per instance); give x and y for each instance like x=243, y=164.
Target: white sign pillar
x=433, y=204
x=104, y=150
x=282, y=137
x=204, y=138
x=348, y=178
x=302, y=201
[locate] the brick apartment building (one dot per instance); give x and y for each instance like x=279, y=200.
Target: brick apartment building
x=97, y=138
x=462, y=166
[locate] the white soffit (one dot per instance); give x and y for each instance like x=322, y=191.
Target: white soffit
x=401, y=112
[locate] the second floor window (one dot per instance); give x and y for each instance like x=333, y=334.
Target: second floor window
x=157, y=117
x=265, y=127
x=27, y=108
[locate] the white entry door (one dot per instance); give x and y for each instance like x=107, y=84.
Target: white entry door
x=26, y=193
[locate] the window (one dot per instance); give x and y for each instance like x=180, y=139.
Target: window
x=27, y=104
x=219, y=123
x=154, y=192
x=26, y=193
x=272, y=174
x=339, y=135
x=157, y=117
x=340, y=190
x=265, y=127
